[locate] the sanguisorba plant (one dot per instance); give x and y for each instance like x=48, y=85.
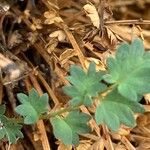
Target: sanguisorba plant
x=118, y=90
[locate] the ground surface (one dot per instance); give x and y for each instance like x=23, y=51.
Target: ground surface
x=44, y=37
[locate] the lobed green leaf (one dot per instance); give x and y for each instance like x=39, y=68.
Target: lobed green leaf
x=130, y=70
x=9, y=129
x=84, y=86
x=68, y=129
x=32, y=106
x=115, y=109
x=62, y=130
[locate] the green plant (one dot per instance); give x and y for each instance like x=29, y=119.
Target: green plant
x=118, y=91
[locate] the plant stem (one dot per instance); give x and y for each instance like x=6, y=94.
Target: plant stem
x=20, y=120
x=107, y=90
x=68, y=109
x=110, y=88
x=58, y=112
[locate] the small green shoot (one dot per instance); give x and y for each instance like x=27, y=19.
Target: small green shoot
x=117, y=92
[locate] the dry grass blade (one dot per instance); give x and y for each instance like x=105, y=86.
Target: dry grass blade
x=51, y=35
